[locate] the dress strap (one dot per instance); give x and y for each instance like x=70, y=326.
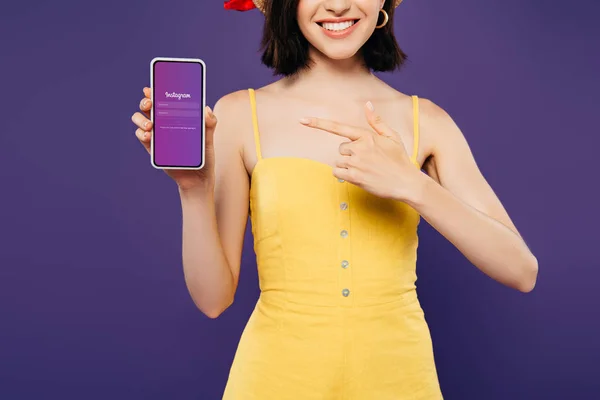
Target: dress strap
x=415, y=129
x=255, y=123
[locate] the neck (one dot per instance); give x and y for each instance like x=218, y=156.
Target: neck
x=348, y=78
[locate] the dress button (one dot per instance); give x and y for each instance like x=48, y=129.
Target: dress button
x=345, y=292
x=344, y=206
x=344, y=233
x=340, y=180
x=345, y=264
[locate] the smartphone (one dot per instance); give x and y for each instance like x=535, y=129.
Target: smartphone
x=178, y=101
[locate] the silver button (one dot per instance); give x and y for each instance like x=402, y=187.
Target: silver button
x=344, y=206
x=345, y=264
x=340, y=180
x=345, y=292
x=344, y=233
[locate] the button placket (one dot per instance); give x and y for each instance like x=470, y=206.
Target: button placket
x=345, y=239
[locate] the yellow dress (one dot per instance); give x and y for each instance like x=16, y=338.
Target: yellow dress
x=338, y=316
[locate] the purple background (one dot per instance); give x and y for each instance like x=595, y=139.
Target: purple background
x=177, y=147
x=92, y=299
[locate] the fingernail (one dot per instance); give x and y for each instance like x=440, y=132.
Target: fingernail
x=147, y=103
x=145, y=135
x=146, y=124
x=370, y=106
x=304, y=120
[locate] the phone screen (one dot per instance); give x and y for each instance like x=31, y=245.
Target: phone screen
x=178, y=113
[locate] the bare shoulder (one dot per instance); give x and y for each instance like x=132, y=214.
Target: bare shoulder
x=438, y=125
x=441, y=135
x=432, y=113
x=232, y=111
x=272, y=91
x=236, y=107
x=231, y=103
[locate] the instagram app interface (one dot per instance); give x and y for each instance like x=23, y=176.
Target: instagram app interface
x=178, y=98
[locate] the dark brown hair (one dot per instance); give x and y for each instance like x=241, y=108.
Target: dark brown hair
x=285, y=49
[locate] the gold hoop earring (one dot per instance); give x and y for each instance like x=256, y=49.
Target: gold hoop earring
x=385, y=19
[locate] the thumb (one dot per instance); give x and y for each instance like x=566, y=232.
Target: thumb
x=210, y=122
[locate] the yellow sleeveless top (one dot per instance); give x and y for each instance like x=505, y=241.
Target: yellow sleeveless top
x=338, y=315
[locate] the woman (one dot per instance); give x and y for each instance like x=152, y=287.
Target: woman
x=328, y=162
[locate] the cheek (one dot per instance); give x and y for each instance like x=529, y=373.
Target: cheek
x=370, y=8
x=306, y=8
x=304, y=15
x=305, y=28
x=369, y=5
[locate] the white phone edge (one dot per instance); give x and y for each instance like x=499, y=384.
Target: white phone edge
x=203, y=104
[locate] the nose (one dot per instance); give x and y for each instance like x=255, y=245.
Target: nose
x=337, y=6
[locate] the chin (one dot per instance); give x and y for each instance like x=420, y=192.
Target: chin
x=341, y=54
x=339, y=51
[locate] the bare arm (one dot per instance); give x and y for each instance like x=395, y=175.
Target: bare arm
x=459, y=203
x=215, y=218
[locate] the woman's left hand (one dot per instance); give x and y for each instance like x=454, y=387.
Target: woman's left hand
x=375, y=160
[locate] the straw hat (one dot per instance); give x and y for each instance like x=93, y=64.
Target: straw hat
x=245, y=5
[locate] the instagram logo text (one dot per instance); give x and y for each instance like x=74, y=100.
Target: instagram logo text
x=178, y=96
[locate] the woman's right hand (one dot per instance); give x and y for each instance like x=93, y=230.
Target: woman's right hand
x=186, y=179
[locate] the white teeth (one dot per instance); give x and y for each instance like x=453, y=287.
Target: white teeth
x=337, y=26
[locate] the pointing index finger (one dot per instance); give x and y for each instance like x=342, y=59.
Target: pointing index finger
x=351, y=132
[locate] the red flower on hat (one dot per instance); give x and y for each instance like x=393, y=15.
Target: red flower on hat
x=239, y=5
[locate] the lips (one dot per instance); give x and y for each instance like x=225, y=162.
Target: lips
x=339, y=31
x=348, y=22
x=337, y=25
